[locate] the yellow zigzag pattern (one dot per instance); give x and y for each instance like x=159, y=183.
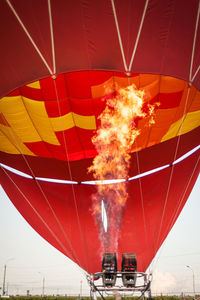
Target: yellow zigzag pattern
x=30, y=123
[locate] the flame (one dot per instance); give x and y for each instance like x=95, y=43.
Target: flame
x=113, y=142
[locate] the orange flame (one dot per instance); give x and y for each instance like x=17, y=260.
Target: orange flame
x=113, y=142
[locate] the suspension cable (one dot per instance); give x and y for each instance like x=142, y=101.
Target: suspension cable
x=138, y=35
x=171, y=223
x=173, y=218
x=70, y=173
x=50, y=71
x=181, y=125
x=194, y=45
x=142, y=201
x=126, y=69
x=16, y=144
x=36, y=212
x=140, y=188
x=29, y=36
x=172, y=167
x=52, y=36
x=119, y=35
x=43, y=221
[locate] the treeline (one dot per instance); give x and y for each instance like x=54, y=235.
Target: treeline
x=172, y=297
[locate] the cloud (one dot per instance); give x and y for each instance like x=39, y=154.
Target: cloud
x=163, y=282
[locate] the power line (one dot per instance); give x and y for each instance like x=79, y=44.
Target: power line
x=185, y=254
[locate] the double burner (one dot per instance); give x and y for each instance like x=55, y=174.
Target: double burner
x=128, y=275
x=128, y=269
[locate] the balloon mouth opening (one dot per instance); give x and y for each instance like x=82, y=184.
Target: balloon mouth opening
x=101, y=182
x=60, y=115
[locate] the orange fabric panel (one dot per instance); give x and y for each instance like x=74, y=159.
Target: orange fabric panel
x=3, y=120
x=171, y=85
x=163, y=118
x=195, y=103
x=146, y=79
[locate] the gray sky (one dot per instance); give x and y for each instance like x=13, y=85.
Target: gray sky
x=29, y=258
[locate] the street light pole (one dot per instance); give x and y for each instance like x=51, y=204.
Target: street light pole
x=4, y=277
x=4, y=281
x=43, y=283
x=81, y=289
x=193, y=279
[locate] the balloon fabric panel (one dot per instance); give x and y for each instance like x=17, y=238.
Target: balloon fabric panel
x=54, y=86
x=65, y=219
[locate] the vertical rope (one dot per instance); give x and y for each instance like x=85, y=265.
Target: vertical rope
x=172, y=167
x=35, y=211
x=29, y=36
x=43, y=194
x=155, y=262
x=197, y=71
x=142, y=202
x=51, y=72
x=182, y=121
x=126, y=69
x=119, y=35
x=70, y=173
x=138, y=35
x=17, y=145
x=52, y=36
x=193, y=47
x=183, y=196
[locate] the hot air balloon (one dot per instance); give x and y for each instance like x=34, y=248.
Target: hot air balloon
x=57, y=58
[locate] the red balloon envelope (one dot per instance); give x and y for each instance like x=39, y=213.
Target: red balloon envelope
x=57, y=58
